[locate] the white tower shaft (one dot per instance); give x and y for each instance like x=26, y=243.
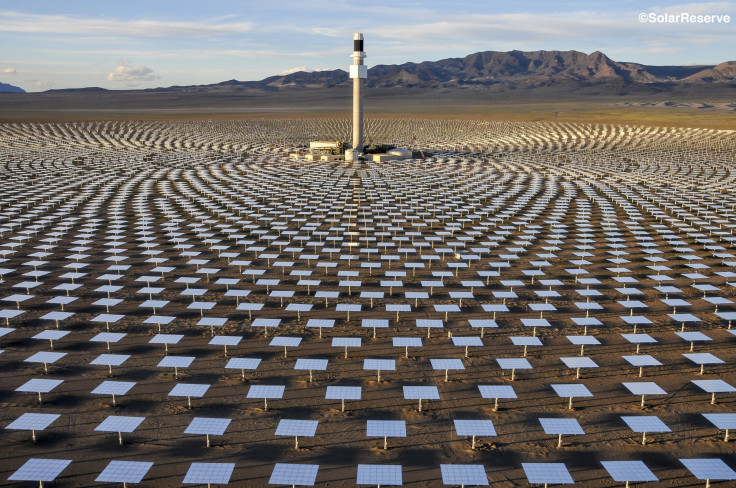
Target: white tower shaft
x=358, y=71
x=357, y=114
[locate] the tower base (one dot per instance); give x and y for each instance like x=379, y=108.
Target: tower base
x=353, y=155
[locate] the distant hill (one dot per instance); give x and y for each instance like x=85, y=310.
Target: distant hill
x=723, y=72
x=515, y=68
x=550, y=71
x=90, y=89
x=5, y=88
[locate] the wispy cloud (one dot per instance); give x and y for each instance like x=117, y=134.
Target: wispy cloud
x=697, y=8
x=11, y=21
x=209, y=53
x=582, y=30
x=577, y=26
x=10, y=71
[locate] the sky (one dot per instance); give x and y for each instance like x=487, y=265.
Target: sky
x=52, y=44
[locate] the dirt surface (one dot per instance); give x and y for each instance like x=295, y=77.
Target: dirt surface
x=702, y=108
x=168, y=209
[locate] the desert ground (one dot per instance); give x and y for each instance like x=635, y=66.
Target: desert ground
x=194, y=232
x=707, y=107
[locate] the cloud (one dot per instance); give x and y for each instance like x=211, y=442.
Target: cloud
x=10, y=71
x=297, y=69
x=451, y=34
x=40, y=85
x=696, y=8
x=638, y=50
x=209, y=53
x=329, y=31
x=11, y=21
x=129, y=74
x=438, y=31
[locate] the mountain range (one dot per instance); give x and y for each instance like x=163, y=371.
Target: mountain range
x=543, y=71
x=537, y=68
x=537, y=72
x=5, y=88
